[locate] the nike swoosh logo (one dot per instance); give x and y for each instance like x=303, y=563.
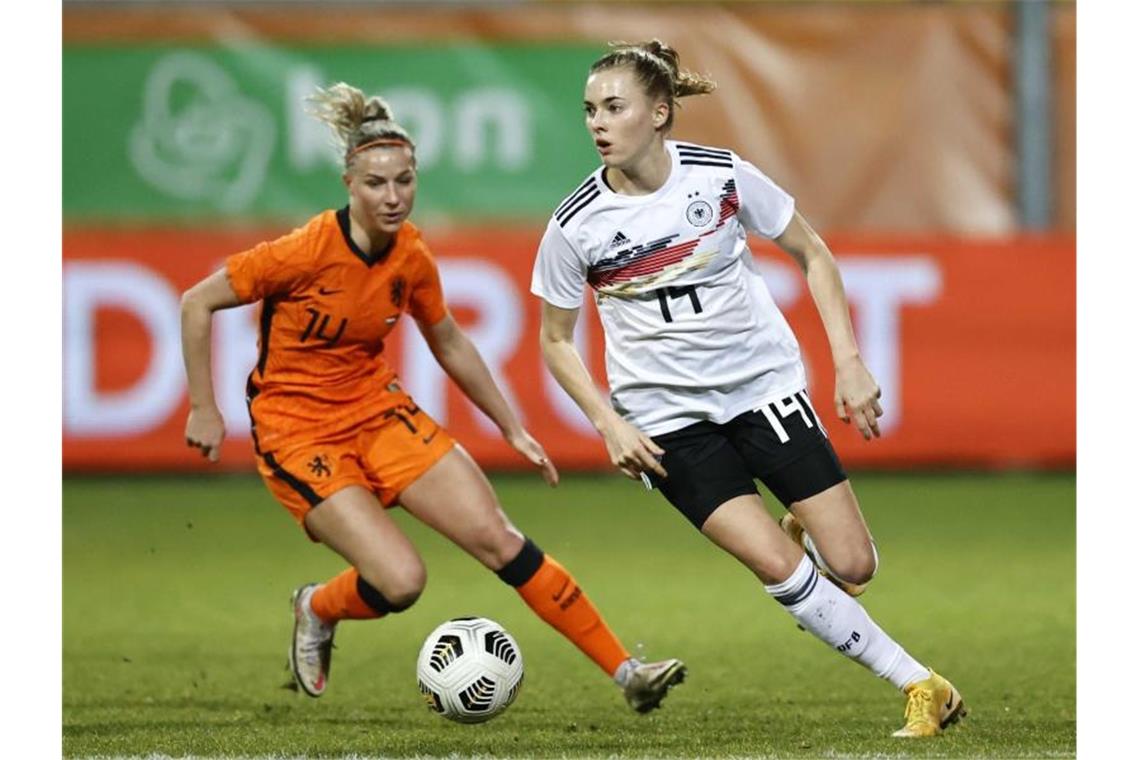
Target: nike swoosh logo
x=326, y=292
x=950, y=701
x=561, y=591
x=428, y=438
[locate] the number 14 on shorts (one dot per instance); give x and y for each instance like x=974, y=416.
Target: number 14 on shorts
x=786, y=407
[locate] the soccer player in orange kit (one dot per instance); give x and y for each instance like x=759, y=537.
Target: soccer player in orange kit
x=337, y=438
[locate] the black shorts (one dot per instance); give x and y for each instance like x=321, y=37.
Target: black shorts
x=781, y=443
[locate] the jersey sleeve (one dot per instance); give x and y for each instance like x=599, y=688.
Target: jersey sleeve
x=425, y=297
x=559, y=275
x=765, y=208
x=271, y=267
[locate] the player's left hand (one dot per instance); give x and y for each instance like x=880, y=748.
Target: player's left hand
x=532, y=450
x=857, y=397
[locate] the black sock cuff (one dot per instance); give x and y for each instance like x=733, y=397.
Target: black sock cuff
x=803, y=591
x=374, y=599
x=523, y=567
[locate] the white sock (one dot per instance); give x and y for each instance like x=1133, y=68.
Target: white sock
x=841, y=622
x=624, y=671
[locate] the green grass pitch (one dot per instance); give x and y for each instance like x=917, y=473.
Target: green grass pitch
x=176, y=622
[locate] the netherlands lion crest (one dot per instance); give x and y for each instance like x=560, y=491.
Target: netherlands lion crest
x=396, y=292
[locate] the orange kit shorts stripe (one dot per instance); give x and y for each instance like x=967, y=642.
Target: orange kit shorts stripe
x=384, y=455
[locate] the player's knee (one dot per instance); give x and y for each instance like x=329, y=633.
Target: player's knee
x=496, y=544
x=777, y=568
x=405, y=588
x=396, y=591
x=857, y=568
x=403, y=598
x=860, y=575
x=397, y=595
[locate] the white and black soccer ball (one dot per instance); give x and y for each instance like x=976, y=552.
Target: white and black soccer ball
x=469, y=669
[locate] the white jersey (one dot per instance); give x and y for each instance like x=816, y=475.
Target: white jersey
x=691, y=331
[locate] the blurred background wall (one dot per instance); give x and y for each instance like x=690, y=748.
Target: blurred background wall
x=933, y=143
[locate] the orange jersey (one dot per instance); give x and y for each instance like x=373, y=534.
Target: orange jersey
x=326, y=309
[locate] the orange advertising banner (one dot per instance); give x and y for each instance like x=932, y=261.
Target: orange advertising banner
x=972, y=341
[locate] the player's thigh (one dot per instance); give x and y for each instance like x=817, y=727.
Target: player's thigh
x=704, y=471
x=835, y=523
x=399, y=446
x=415, y=462
x=786, y=448
x=354, y=524
x=455, y=498
x=742, y=527
x=710, y=484
x=303, y=473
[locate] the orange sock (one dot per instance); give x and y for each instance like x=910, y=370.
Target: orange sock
x=340, y=599
x=556, y=597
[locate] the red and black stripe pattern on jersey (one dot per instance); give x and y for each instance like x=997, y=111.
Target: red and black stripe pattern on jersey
x=640, y=261
x=586, y=193
x=729, y=206
x=696, y=155
x=729, y=203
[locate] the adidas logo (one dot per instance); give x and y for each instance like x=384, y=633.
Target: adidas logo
x=619, y=240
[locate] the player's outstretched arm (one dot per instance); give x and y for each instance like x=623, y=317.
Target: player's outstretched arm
x=630, y=450
x=205, y=427
x=462, y=362
x=856, y=392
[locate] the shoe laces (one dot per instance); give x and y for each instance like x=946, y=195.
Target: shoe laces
x=918, y=704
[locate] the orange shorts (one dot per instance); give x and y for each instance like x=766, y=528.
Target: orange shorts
x=384, y=455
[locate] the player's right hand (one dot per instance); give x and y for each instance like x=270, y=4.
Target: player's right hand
x=632, y=451
x=205, y=430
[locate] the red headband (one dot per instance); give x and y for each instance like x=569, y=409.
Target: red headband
x=379, y=142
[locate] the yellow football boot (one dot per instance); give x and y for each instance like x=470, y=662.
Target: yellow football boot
x=931, y=705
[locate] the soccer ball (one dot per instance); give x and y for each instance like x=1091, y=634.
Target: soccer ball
x=469, y=670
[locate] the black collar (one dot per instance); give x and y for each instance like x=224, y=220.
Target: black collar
x=606, y=182
x=345, y=225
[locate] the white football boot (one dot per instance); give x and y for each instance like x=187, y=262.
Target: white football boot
x=311, y=653
x=650, y=682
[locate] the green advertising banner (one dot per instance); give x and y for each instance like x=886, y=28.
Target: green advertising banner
x=208, y=133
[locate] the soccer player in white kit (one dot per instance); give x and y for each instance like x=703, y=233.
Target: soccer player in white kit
x=707, y=388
